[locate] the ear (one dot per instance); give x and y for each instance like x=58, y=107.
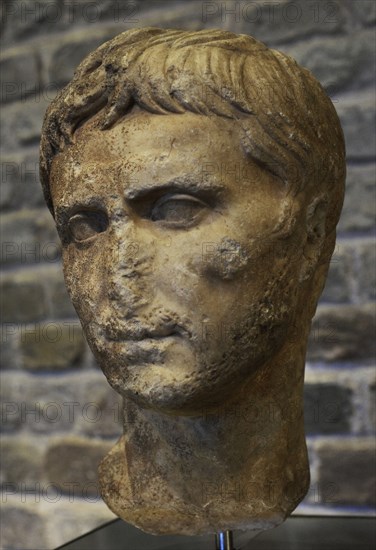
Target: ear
x=315, y=236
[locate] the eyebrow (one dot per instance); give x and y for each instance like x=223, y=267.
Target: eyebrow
x=180, y=183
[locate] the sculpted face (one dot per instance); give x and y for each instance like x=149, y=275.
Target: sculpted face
x=182, y=255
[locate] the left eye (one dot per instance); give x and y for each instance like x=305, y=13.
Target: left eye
x=178, y=210
x=86, y=225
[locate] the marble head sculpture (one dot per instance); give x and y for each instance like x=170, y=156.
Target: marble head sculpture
x=196, y=179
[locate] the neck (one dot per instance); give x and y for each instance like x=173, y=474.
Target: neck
x=239, y=466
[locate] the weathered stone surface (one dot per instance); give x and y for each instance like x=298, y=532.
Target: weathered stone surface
x=348, y=470
x=54, y=345
x=23, y=300
x=342, y=333
x=327, y=409
x=72, y=463
x=19, y=70
x=151, y=275
x=29, y=236
x=358, y=212
x=45, y=35
x=61, y=305
x=20, y=186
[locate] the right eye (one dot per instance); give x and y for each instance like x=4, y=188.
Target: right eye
x=86, y=225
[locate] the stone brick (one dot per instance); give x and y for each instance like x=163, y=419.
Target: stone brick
x=327, y=408
x=81, y=515
x=9, y=348
x=21, y=123
x=72, y=460
x=338, y=286
x=340, y=63
x=279, y=22
x=348, y=471
x=48, y=404
x=342, y=333
x=51, y=404
x=82, y=12
x=358, y=212
x=372, y=408
x=20, y=186
x=72, y=51
x=365, y=11
x=357, y=115
x=23, y=299
x=11, y=388
x=19, y=69
x=54, y=345
x=61, y=305
x=100, y=407
x=367, y=270
x=21, y=461
x=22, y=527
x=29, y=236
x=29, y=18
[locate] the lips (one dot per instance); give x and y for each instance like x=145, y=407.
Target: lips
x=137, y=332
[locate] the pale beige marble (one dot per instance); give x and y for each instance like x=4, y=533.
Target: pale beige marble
x=196, y=179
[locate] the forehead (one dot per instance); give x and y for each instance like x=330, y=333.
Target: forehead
x=150, y=147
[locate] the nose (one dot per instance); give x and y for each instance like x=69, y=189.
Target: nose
x=129, y=268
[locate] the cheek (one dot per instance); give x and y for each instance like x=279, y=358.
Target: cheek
x=225, y=260
x=83, y=281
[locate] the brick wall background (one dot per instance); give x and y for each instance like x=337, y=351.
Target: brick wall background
x=59, y=416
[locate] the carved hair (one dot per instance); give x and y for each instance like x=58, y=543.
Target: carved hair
x=290, y=125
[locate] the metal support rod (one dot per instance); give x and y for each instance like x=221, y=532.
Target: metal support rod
x=224, y=541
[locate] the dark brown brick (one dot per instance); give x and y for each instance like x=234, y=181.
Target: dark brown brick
x=348, y=471
x=342, y=333
x=327, y=409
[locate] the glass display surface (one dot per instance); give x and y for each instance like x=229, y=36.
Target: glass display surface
x=297, y=533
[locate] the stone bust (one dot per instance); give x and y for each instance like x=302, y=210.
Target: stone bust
x=196, y=180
